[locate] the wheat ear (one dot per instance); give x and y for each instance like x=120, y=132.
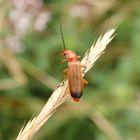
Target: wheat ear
x=61, y=93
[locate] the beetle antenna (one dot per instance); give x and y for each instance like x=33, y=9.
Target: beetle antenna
x=62, y=35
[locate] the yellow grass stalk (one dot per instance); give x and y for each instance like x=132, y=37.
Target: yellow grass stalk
x=61, y=93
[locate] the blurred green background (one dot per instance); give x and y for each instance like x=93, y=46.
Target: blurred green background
x=30, y=68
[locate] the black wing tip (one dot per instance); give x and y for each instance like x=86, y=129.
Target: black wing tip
x=76, y=96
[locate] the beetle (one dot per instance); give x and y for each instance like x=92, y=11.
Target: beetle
x=74, y=72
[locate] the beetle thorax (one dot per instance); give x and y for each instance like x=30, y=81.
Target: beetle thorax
x=70, y=55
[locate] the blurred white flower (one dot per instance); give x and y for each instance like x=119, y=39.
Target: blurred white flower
x=42, y=20
x=19, y=4
x=80, y=10
x=21, y=20
x=26, y=14
x=36, y=3
x=13, y=42
x=23, y=4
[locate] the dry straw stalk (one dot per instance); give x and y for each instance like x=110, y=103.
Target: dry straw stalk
x=61, y=93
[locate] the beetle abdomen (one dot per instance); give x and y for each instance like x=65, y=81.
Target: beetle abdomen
x=76, y=96
x=75, y=80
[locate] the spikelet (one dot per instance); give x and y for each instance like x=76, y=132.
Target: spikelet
x=61, y=93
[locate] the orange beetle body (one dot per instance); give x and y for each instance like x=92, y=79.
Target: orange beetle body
x=73, y=72
x=75, y=80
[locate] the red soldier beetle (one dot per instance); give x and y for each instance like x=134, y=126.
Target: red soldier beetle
x=73, y=73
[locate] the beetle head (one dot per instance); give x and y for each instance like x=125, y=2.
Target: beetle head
x=70, y=55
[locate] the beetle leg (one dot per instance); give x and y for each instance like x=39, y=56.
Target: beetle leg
x=64, y=60
x=83, y=66
x=85, y=82
x=65, y=71
x=64, y=76
x=78, y=57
